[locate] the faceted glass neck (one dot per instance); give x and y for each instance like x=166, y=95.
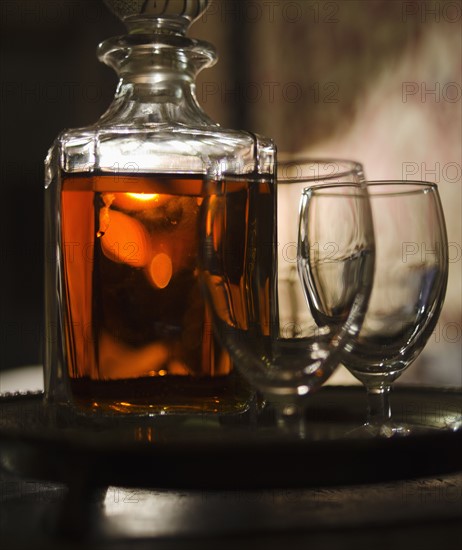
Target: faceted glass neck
x=157, y=74
x=159, y=25
x=156, y=63
x=136, y=55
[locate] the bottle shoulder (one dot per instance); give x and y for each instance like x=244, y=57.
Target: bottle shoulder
x=163, y=148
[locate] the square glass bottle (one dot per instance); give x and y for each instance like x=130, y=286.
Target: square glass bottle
x=127, y=330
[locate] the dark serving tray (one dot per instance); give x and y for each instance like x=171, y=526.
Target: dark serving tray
x=203, y=452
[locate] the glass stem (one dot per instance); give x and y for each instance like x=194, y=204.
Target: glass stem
x=290, y=419
x=378, y=405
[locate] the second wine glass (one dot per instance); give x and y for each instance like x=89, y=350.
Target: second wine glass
x=275, y=338
x=411, y=271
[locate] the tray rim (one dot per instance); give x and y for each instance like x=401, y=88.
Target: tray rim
x=195, y=465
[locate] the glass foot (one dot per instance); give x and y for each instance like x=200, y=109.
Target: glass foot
x=455, y=425
x=388, y=430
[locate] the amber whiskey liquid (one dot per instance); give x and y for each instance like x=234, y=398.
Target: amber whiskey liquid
x=138, y=335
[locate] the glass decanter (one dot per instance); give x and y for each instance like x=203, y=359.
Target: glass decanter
x=127, y=329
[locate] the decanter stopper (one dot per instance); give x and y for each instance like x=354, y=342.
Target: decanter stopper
x=167, y=16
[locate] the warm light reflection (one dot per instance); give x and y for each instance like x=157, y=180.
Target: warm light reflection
x=160, y=270
x=78, y=227
x=118, y=360
x=214, y=221
x=143, y=196
x=123, y=238
x=178, y=368
x=138, y=201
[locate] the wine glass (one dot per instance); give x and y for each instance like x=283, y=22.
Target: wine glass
x=319, y=170
x=411, y=271
x=293, y=176
x=274, y=339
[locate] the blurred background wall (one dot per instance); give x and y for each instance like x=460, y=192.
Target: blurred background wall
x=379, y=81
